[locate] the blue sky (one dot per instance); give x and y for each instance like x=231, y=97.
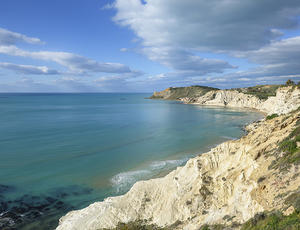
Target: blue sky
x=142, y=46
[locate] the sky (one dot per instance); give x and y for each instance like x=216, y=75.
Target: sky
x=146, y=45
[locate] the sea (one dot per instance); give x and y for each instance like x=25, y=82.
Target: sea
x=61, y=152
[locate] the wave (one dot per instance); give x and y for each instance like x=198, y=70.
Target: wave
x=156, y=165
x=123, y=181
x=229, y=138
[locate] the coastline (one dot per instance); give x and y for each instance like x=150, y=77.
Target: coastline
x=113, y=210
x=148, y=169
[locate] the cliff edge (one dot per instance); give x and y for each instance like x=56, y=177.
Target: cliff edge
x=226, y=186
x=285, y=100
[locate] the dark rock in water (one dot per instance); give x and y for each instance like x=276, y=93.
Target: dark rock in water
x=6, y=188
x=3, y=206
x=73, y=190
x=6, y=223
x=50, y=199
x=28, y=209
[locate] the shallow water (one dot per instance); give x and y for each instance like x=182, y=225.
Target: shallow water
x=63, y=151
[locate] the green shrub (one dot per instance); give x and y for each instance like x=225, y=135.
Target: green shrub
x=289, y=146
x=294, y=199
x=272, y=116
x=290, y=82
x=273, y=221
x=291, y=150
x=261, y=91
x=137, y=226
x=212, y=227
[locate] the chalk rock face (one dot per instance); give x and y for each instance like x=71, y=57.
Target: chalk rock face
x=286, y=100
x=234, y=99
x=218, y=187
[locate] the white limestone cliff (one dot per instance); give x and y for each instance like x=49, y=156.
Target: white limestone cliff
x=286, y=100
x=218, y=187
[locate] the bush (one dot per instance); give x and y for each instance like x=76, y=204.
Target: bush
x=290, y=148
x=290, y=82
x=272, y=116
x=137, y=226
x=273, y=221
x=213, y=227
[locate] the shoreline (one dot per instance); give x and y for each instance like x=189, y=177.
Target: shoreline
x=191, y=174
x=183, y=157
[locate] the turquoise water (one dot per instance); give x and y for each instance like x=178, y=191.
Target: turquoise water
x=78, y=148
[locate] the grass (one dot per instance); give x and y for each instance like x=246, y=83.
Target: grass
x=137, y=225
x=273, y=221
x=180, y=92
x=212, y=227
x=294, y=199
x=261, y=91
x=291, y=150
x=272, y=116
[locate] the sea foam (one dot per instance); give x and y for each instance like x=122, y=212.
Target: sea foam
x=123, y=181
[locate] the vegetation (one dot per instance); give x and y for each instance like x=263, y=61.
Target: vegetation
x=140, y=226
x=264, y=221
x=290, y=82
x=137, y=226
x=174, y=93
x=272, y=116
x=291, y=150
x=260, y=91
x=294, y=199
x=273, y=221
x=213, y=227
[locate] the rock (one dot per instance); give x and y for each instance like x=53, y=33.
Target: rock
x=208, y=188
x=286, y=100
x=289, y=211
x=6, y=188
x=226, y=181
x=27, y=208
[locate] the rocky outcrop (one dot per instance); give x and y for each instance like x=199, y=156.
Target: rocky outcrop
x=229, y=184
x=174, y=93
x=286, y=100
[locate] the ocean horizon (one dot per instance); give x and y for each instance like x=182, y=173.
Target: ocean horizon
x=63, y=151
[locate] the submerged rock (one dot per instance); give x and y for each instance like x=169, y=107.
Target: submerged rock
x=16, y=213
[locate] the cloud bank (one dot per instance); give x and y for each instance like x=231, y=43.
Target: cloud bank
x=179, y=34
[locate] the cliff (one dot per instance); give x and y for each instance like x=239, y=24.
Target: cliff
x=227, y=185
x=285, y=100
x=174, y=93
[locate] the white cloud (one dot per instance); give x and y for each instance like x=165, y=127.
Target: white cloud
x=75, y=63
x=10, y=38
x=28, y=69
x=173, y=31
x=279, y=58
x=182, y=60
x=216, y=25
x=124, y=49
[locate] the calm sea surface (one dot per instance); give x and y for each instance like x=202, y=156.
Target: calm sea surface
x=63, y=151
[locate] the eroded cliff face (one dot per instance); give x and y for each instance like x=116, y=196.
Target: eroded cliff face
x=229, y=184
x=286, y=100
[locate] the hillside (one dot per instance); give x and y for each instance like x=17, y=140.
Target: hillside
x=262, y=92
x=175, y=93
